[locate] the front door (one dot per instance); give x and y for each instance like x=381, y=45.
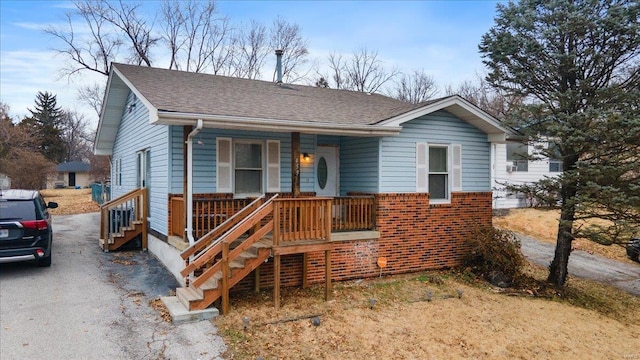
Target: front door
x=72, y=179
x=327, y=171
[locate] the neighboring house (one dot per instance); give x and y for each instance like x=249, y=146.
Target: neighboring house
x=70, y=174
x=517, y=163
x=5, y=182
x=407, y=183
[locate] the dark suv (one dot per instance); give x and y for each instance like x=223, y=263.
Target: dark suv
x=25, y=227
x=633, y=249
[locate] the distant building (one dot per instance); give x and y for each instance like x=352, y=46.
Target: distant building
x=70, y=174
x=512, y=165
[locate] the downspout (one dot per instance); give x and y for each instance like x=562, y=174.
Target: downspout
x=189, y=199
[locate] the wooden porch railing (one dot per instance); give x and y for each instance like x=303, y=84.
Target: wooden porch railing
x=124, y=213
x=351, y=213
x=301, y=219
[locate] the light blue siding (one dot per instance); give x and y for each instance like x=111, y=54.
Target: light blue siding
x=204, y=157
x=398, y=160
x=359, y=164
x=136, y=134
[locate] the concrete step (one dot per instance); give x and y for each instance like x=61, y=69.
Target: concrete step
x=179, y=313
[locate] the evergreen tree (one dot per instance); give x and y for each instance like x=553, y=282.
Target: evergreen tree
x=46, y=121
x=575, y=62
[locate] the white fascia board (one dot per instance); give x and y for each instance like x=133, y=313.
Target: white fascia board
x=443, y=104
x=499, y=138
x=275, y=125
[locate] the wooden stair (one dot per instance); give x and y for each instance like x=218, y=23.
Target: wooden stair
x=118, y=239
x=199, y=298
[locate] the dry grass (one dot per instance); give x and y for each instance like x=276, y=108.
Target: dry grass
x=584, y=321
x=543, y=225
x=70, y=201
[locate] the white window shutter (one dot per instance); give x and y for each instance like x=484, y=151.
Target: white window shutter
x=224, y=165
x=273, y=166
x=422, y=167
x=456, y=167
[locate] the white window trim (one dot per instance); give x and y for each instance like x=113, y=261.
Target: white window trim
x=422, y=170
x=446, y=200
x=263, y=168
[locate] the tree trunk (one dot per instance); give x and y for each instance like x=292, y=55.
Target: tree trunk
x=558, y=268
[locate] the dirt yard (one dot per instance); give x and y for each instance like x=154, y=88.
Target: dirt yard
x=433, y=315
x=586, y=321
x=71, y=201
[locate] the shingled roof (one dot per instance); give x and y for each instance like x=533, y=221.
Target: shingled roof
x=73, y=166
x=183, y=98
x=197, y=93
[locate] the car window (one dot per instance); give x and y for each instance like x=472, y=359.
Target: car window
x=18, y=210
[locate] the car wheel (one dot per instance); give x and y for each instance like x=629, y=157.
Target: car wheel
x=44, y=262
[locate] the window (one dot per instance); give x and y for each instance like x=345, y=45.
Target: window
x=555, y=158
x=438, y=170
x=248, y=168
x=438, y=173
x=517, y=154
x=116, y=169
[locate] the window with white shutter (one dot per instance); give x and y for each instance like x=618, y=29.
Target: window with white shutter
x=273, y=166
x=224, y=165
x=456, y=167
x=422, y=170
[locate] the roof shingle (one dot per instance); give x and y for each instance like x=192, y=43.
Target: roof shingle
x=206, y=94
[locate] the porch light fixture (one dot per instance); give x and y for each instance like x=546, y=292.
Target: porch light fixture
x=305, y=157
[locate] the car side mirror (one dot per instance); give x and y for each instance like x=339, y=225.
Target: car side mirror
x=52, y=205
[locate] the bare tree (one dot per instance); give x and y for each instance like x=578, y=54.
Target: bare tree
x=362, y=72
x=75, y=136
x=337, y=67
x=94, y=52
x=125, y=17
x=287, y=37
x=19, y=155
x=251, y=44
x=494, y=101
x=92, y=95
x=196, y=37
x=415, y=87
x=366, y=73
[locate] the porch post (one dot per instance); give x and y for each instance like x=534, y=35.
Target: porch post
x=295, y=164
x=276, y=281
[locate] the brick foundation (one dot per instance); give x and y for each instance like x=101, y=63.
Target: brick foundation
x=414, y=236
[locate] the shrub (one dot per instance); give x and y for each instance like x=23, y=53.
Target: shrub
x=495, y=254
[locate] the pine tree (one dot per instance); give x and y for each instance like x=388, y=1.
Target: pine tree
x=575, y=62
x=46, y=122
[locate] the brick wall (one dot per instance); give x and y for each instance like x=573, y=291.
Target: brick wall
x=414, y=236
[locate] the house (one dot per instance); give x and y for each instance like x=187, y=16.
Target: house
x=70, y=174
x=519, y=163
x=269, y=184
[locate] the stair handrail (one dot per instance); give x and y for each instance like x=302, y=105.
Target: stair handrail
x=215, y=234
x=114, y=203
x=222, y=243
x=122, y=199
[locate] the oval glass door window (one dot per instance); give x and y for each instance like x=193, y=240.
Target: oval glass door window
x=322, y=173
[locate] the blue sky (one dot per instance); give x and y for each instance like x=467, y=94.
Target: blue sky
x=439, y=37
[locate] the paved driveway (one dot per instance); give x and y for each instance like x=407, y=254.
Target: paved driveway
x=582, y=264
x=93, y=305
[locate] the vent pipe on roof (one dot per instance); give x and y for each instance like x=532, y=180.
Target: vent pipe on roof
x=279, y=66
